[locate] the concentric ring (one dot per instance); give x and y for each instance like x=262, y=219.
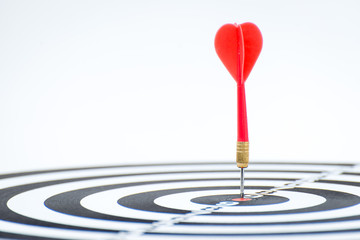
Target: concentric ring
x=175, y=201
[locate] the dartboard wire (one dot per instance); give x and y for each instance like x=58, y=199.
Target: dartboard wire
x=302, y=181
x=136, y=234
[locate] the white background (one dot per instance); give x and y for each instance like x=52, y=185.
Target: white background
x=112, y=82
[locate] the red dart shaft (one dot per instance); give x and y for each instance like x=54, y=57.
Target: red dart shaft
x=242, y=116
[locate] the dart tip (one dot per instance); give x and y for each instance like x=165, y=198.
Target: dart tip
x=242, y=183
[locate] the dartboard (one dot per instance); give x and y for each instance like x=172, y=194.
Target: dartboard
x=183, y=201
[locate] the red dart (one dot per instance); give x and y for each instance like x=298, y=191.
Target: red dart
x=238, y=47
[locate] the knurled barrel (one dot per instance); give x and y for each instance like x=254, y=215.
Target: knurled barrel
x=242, y=154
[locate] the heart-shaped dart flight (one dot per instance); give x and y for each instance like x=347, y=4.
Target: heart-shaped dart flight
x=238, y=47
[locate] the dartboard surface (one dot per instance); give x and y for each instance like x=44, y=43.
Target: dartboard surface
x=183, y=201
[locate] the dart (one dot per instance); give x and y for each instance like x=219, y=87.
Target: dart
x=238, y=47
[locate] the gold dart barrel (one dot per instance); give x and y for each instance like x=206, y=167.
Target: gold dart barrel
x=242, y=154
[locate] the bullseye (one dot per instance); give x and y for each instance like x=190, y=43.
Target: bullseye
x=241, y=199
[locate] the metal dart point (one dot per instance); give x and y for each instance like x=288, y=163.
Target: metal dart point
x=242, y=183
